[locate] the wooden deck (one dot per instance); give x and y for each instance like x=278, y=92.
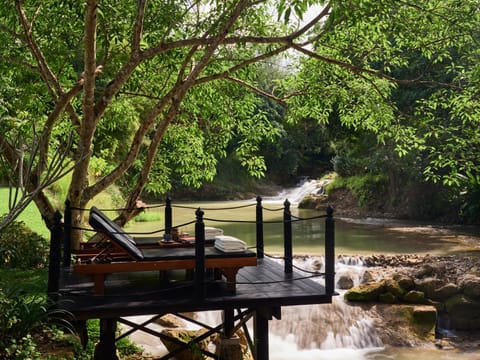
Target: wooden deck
x=141, y=293
x=259, y=291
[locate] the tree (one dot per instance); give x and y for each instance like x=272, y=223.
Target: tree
x=370, y=57
x=185, y=72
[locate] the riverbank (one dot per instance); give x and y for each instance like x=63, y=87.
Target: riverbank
x=363, y=331
x=446, y=285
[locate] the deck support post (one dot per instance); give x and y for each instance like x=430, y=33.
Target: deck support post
x=168, y=217
x=259, y=227
x=67, y=239
x=199, y=278
x=330, y=252
x=260, y=328
x=287, y=234
x=105, y=348
x=228, y=344
x=55, y=254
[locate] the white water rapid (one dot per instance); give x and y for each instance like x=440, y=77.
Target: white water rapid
x=328, y=331
x=295, y=195
x=313, y=332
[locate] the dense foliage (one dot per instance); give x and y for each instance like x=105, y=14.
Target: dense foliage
x=153, y=93
x=20, y=248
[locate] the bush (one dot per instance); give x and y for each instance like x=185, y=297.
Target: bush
x=28, y=324
x=124, y=346
x=366, y=188
x=346, y=166
x=21, y=248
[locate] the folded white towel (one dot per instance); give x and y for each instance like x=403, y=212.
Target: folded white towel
x=229, y=243
x=222, y=249
x=211, y=232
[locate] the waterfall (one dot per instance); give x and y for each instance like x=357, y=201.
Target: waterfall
x=323, y=331
x=334, y=331
x=328, y=326
x=295, y=195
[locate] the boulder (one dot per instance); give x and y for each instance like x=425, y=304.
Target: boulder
x=345, y=282
x=414, y=297
x=171, y=321
x=428, y=286
x=424, y=320
x=387, y=298
x=470, y=285
x=394, y=288
x=405, y=325
x=193, y=351
x=463, y=312
x=367, y=277
x=317, y=265
x=404, y=281
x=365, y=292
x=445, y=292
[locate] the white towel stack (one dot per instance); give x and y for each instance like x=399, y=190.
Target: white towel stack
x=227, y=243
x=212, y=232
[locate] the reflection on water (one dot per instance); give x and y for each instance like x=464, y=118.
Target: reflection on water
x=351, y=237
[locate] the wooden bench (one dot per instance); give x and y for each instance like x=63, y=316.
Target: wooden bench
x=155, y=259
x=170, y=259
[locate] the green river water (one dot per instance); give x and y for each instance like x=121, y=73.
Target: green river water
x=352, y=237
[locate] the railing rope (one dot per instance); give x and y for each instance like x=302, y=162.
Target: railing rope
x=259, y=227
x=287, y=233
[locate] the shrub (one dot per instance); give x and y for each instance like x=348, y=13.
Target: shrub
x=27, y=322
x=365, y=187
x=22, y=248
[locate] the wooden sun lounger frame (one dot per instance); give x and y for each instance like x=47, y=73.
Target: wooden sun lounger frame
x=227, y=265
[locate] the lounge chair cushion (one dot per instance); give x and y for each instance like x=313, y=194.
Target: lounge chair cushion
x=103, y=224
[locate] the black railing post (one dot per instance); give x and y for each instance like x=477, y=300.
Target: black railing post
x=168, y=216
x=199, y=278
x=287, y=234
x=330, y=252
x=259, y=222
x=67, y=238
x=55, y=254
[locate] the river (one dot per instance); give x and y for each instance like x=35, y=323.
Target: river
x=336, y=331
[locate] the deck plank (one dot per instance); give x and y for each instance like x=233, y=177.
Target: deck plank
x=141, y=293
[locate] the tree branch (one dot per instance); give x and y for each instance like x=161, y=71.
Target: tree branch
x=256, y=90
x=358, y=69
x=138, y=29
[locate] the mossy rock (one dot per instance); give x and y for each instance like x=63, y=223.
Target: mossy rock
x=414, y=297
x=429, y=286
x=387, y=298
x=366, y=292
x=471, y=286
x=463, y=312
x=424, y=320
x=193, y=351
x=405, y=282
x=394, y=288
x=445, y=292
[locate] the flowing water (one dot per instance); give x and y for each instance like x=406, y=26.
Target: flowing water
x=335, y=331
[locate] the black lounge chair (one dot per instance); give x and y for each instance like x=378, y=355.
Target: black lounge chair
x=161, y=259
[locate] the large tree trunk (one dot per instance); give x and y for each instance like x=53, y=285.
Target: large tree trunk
x=88, y=125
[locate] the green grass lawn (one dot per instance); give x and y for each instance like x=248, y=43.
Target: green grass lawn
x=30, y=216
